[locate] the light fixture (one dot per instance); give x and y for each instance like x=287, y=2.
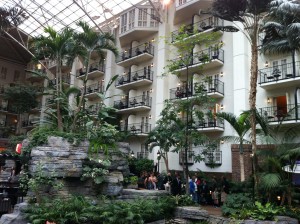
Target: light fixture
x=121, y=121
x=278, y=198
x=251, y=155
x=221, y=74
x=132, y=154
x=153, y=40
x=222, y=141
x=268, y=100
x=150, y=116
x=221, y=107
x=167, y=2
x=152, y=65
x=39, y=66
x=151, y=90
x=266, y=64
x=178, y=84
x=158, y=153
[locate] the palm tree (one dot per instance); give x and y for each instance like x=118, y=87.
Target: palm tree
x=282, y=29
x=10, y=18
x=242, y=126
x=55, y=46
x=90, y=41
x=276, y=176
x=250, y=14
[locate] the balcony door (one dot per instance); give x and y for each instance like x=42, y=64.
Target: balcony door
x=280, y=107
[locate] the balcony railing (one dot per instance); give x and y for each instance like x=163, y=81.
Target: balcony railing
x=200, y=57
x=66, y=79
x=142, y=155
x=146, y=48
x=136, y=128
x=281, y=113
x=135, y=76
x=30, y=123
x=97, y=66
x=207, y=123
x=212, y=86
x=94, y=88
x=93, y=109
x=190, y=157
x=213, y=158
x=133, y=102
x=198, y=27
x=277, y=73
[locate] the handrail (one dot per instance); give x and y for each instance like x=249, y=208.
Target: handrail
x=146, y=48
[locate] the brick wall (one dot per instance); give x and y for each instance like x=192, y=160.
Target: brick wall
x=236, y=175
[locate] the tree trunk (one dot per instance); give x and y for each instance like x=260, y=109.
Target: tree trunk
x=242, y=167
x=166, y=160
x=252, y=98
x=58, y=112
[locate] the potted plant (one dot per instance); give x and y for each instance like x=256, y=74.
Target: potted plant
x=203, y=57
x=211, y=118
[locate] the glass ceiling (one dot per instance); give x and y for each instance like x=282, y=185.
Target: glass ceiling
x=61, y=13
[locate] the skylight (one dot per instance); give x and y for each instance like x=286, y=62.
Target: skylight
x=62, y=13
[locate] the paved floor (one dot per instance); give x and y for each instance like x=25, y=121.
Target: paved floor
x=212, y=210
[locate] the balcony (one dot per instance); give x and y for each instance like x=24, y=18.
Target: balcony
x=64, y=66
x=4, y=124
x=209, y=125
x=93, y=109
x=96, y=70
x=185, y=9
x=142, y=155
x=203, y=26
x=66, y=79
x=138, y=23
x=34, y=77
x=93, y=90
x=135, y=79
x=213, y=88
x=37, y=109
x=136, y=55
x=190, y=157
x=280, y=76
x=208, y=58
x=288, y=114
x=4, y=108
x=28, y=124
x=213, y=158
x=140, y=129
x=133, y=104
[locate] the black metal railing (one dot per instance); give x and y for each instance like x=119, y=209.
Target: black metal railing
x=209, y=123
x=130, y=77
x=94, y=109
x=142, y=155
x=96, y=66
x=281, y=113
x=30, y=123
x=133, y=102
x=200, y=57
x=66, y=79
x=94, y=88
x=280, y=72
x=211, y=86
x=136, y=128
x=198, y=27
x=190, y=157
x=213, y=157
x=136, y=51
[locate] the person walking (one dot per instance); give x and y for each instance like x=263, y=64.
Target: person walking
x=176, y=185
x=167, y=182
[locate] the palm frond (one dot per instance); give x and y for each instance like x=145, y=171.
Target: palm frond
x=270, y=181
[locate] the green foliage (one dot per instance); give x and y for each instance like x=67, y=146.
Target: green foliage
x=14, y=140
x=24, y=98
x=235, y=203
x=264, y=212
x=77, y=210
x=96, y=173
x=139, y=165
x=292, y=212
x=130, y=180
x=183, y=200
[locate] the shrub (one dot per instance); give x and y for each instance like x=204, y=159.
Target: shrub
x=235, y=203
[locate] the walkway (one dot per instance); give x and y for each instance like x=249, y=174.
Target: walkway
x=212, y=210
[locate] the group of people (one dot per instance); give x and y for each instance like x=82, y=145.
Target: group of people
x=202, y=191
x=214, y=192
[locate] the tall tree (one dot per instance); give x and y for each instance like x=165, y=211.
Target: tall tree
x=250, y=14
x=10, y=18
x=90, y=41
x=241, y=126
x=55, y=46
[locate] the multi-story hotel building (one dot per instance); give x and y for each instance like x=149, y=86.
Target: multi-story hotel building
x=140, y=90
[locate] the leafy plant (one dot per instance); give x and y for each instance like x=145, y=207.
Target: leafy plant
x=264, y=212
x=235, y=203
x=97, y=174
x=183, y=200
x=139, y=165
